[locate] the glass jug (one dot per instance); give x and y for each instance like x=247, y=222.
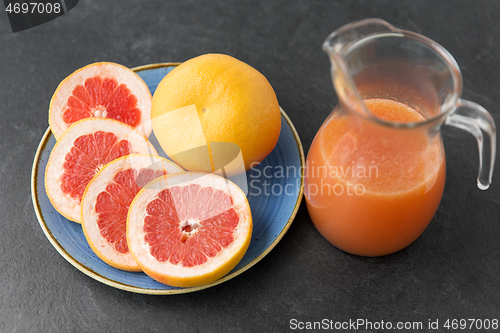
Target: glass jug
x=375, y=171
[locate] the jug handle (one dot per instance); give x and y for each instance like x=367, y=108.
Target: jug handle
x=474, y=119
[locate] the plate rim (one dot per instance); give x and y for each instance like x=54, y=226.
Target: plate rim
x=107, y=281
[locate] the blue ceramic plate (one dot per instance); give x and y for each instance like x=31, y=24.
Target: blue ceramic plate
x=275, y=190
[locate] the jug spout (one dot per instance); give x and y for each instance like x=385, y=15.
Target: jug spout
x=337, y=43
x=352, y=32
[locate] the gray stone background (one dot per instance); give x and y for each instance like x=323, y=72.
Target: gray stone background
x=451, y=271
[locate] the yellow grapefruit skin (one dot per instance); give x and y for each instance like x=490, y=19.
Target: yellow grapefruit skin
x=213, y=108
x=81, y=151
x=103, y=90
x=106, y=200
x=189, y=229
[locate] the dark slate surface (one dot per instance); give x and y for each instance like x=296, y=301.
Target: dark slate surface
x=451, y=271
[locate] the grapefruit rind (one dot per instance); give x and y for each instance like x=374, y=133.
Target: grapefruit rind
x=66, y=206
x=215, y=267
x=118, y=72
x=101, y=247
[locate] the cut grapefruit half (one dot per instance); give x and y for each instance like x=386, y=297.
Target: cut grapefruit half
x=106, y=201
x=189, y=229
x=81, y=152
x=104, y=90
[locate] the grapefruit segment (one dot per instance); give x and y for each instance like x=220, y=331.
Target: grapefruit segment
x=189, y=229
x=104, y=90
x=80, y=153
x=106, y=201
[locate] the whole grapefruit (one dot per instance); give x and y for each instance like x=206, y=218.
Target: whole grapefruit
x=213, y=110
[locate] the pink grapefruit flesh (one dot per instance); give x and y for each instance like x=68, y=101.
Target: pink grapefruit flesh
x=103, y=90
x=80, y=153
x=106, y=202
x=189, y=229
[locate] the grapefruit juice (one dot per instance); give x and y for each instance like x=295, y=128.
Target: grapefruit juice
x=372, y=189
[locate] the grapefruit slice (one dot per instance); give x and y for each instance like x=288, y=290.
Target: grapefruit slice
x=106, y=201
x=105, y=90
x=189, y=229
x=81, y=152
